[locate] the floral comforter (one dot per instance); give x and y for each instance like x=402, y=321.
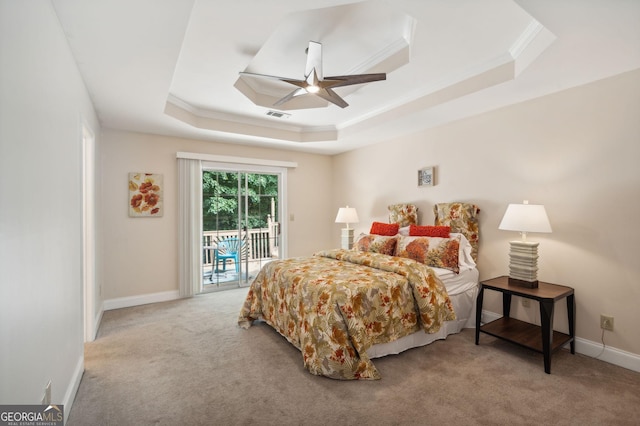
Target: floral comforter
x=336, y=304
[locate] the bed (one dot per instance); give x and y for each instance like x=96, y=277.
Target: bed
x=463, y=290
x=342, y=308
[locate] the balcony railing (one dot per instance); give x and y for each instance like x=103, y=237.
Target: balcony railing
x=260, y=243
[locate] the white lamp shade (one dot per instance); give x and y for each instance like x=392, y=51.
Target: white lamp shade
x=525, y=218
x=347, y=215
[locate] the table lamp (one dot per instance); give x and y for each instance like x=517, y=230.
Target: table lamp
x=523, y=257
x=347, y=215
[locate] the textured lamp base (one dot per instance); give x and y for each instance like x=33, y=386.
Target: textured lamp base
x=523, y=264
x=523, y=283
x=347, y=238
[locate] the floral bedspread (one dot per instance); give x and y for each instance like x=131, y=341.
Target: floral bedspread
x=335, y=305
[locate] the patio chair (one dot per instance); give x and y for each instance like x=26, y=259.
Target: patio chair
x=228, y=248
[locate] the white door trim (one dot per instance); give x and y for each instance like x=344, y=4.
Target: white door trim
x=88, y=232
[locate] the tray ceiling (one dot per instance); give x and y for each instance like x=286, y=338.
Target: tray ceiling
x=172, y=67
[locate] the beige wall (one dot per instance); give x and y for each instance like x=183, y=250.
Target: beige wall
x=43, y=106
x=140, y=255
x=576, y=152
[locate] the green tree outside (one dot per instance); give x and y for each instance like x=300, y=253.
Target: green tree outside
x=220, y=199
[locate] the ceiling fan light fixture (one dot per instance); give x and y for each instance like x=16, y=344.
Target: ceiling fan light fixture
x=314, y=82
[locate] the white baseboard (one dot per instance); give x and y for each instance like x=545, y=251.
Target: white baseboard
x=586, y=347
x=488, y=316
x=72, y=390
x=608, y=354
x=126, y=302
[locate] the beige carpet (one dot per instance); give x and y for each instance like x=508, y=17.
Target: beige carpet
x=187, y=363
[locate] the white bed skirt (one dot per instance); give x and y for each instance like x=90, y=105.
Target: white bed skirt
x=463, y=290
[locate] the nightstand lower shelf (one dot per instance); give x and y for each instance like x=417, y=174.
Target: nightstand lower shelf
x=523, y=333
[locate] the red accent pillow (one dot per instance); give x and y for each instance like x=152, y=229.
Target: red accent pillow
x=388, y=229
x=429, y=231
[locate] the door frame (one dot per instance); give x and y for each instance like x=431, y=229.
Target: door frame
x=88, y=232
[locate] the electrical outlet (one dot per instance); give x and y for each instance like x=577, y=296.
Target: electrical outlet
x=526, y=302
x=606, y=322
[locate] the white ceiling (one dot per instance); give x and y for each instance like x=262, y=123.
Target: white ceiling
x=171, y=67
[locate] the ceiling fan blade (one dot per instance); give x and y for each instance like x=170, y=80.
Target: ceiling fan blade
x=314, y=59
x=297, y=92
x=348, y=80
x=299, y=83
x=331, y=96
x=252, y=74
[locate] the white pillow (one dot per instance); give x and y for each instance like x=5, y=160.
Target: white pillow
x=464, y=255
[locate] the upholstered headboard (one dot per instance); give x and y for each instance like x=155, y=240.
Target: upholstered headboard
x=462, y=218
x=403, y=214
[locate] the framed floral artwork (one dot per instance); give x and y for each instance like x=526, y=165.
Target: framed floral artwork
x=145, y=195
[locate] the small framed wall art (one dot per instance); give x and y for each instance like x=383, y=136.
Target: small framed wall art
x=426, y=176
x=145, y=195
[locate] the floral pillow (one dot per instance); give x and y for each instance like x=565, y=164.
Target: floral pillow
x=432, y=251
x=376, y=244
x=403, y=214
x=463, y=218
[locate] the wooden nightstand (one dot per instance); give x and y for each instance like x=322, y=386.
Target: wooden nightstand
x=541, y=338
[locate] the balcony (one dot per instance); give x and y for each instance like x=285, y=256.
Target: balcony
x=259, y=246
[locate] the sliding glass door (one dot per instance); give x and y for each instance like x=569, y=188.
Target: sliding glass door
x=240, y=222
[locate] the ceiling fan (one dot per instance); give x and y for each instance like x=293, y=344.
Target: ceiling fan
x=314, y=82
